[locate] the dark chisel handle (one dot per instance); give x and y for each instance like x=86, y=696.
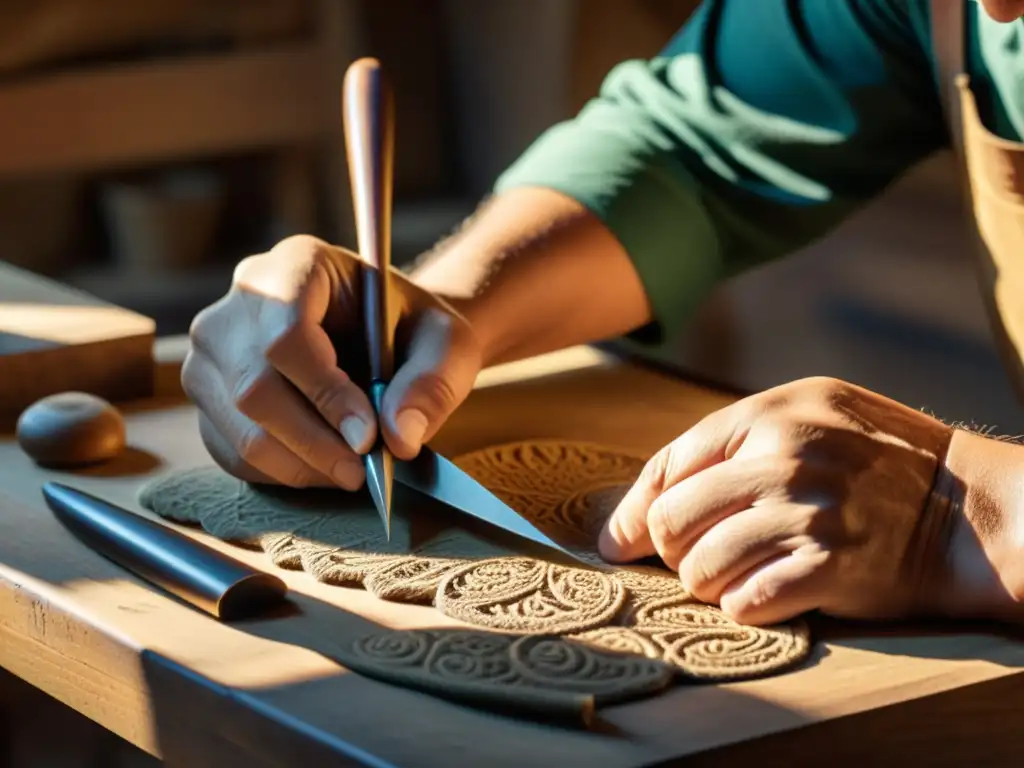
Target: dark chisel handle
x=209, y=580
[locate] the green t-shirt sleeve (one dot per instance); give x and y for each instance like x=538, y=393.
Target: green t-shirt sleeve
x=761, y=125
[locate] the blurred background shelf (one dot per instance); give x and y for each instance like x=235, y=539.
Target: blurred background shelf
x=131, y=114
x=101, y=101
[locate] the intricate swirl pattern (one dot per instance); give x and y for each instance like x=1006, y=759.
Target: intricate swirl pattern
x=340, y=567
x=643, y=585
x=550, y=674
x=489, y=581
x=410, y=580
x=584, y=513
x=584, y=636
x=619, y=640
x=705, y=644
x=549, y=481
x=394, y=649
x=733, y=652
x=555, y=662
x=529, y=596
x=676, y=613
x=472, y=656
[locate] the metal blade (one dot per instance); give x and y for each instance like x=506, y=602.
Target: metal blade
x=380, y=472
x=437, y=477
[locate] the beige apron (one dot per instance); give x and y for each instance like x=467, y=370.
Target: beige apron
x=993, y=172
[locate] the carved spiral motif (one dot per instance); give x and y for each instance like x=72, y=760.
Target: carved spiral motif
x=471, y=656
x=410, y=580
x=704, y=643
x=528, y=596
x=733, y=652
x=541, y=674
x=547, y=481
x=585, y=511
x=618, y=640
x=680, y=613
x=402, y=649
x=551, y=660
x=645, y=585
x=501, y=578
x=558, y=663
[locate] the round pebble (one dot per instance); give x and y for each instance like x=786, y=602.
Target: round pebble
x=71, y=429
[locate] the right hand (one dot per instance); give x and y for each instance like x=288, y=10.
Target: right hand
x=277, y=367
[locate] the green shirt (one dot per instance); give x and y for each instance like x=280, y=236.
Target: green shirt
x=761, y=126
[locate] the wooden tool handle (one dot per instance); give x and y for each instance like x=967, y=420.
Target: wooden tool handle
x=369, y=116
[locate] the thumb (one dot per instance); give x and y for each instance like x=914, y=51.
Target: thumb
x=438, y=374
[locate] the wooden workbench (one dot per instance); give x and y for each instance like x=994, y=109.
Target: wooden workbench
x=196, y=692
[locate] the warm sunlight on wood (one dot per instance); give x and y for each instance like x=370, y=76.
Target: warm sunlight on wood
x=574, y=359
x=265, y=664
x=64, y=324
x=855, y=661
x=275, y=665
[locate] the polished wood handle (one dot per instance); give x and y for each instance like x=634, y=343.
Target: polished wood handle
x=369, y=117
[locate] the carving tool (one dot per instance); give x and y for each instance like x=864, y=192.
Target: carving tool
x=369, y=140
x=369, y=117
x=207, y=579
x=433, y=475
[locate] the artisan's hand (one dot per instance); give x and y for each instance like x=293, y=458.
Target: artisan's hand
x=812, y=495
x=277, y=368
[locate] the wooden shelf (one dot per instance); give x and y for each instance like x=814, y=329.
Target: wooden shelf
x=150, y=112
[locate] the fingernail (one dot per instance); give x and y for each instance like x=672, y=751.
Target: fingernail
x=610, y=542
x=606, y=544
x=356, y=433
x=412, y=425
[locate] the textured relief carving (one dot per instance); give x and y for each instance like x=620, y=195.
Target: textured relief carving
x=610, y=633
x=704, y=643
x=529, y=596
x=538, y=675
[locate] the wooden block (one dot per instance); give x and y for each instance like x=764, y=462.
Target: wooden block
x=54, y=339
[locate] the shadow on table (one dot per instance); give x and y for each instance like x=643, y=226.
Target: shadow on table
x=924, y=639
x=132, y=462
x=352, y=716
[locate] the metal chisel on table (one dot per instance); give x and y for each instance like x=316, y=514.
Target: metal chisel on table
x=369, y=138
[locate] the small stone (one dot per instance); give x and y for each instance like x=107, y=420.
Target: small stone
x=71, y=429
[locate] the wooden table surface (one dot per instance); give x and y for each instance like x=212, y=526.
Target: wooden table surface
x=197, y=692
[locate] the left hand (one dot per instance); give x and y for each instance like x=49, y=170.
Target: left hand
x=812, y=495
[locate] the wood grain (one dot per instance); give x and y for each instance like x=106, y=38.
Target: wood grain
x=54, y=339
x=197, y=692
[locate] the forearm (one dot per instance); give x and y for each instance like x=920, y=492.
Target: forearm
x=535, y=271
x=983, y=481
